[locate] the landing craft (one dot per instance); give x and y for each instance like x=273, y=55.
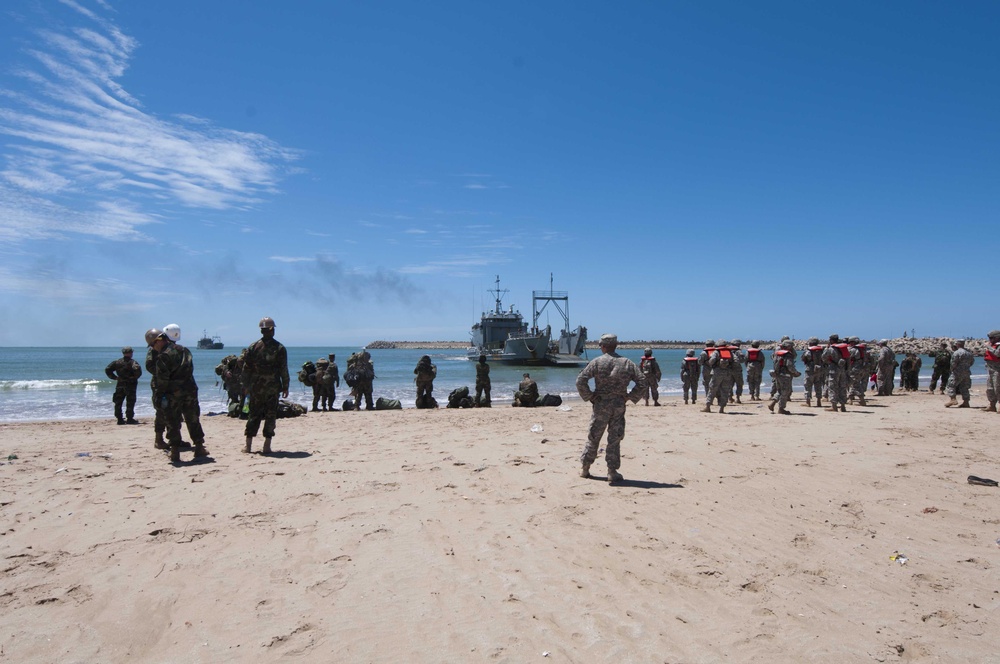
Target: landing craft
x=210, y=343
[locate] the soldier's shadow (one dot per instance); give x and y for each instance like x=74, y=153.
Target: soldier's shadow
x=645, y=484
x=288, y=455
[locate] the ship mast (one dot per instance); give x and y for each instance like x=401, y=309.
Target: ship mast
x=498, y=294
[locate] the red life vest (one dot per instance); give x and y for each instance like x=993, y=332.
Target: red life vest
x=753, y=354
x=845, y=351
x=990, y=357
x=816, y=349
x=709, y=349
x=862, y=348
x=725, y=353
x=691, y=359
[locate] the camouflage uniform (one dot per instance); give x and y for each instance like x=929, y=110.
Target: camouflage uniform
x=783, y=372
x=993, y=369
x=483, y=383
x=611, y=373
x=159, y=423
x=706, y=370
x=909, y=372
x=689, y=376
x=125, y=371
x=229, y=370
x=323, y=387
x=737, y=368
x=177, y=394
x=857, y=375
x=365, y=372
x=265, y=375
x=334, y=382
x=651, y=373
x=961, y=375
x=886, y=369
x=942, y=367
x=527, y=393
x=838, y=368
x=721, y=382
x=815, y=370
x=755, y=369
x=425, y=373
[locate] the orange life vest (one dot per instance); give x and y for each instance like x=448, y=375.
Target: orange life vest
x=845, y=351
x=725, y=352
x=753, y=354
x=990, y=357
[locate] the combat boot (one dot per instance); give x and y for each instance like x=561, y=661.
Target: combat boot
x=267, y=445
x=200, y=451
x=771, y=404
x=685, y=402
x=738, y=400
x=121, y=420
x=832, y=408
x=992, y=408
x=585, y=472
x=722, y=409
x=964, y=404
x=614, y=476
x=246, y=450
x=175, y=454
x=843, y=408
x=819, y=402
x=942, y=391
x=952, y=402
x=809, y=402
x=159, y=444
x=707, y=408
x=782, y=411
x=656, y=403
x=862, y=402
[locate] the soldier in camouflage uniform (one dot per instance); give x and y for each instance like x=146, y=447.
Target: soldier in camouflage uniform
x=265, y=375
x=736, y=368
x=334, y=373
x=612, y=374
x=159, y=424
x=784, y=370
x=942, y=366
x=323, y=387
x=125, y=372
x=993, y=370
x=483, y=383
x=815, y=381
x=177, y=394
x=650, y=369
x=961, y=375
x=857, y=377
x=706, y=370
x=754, y=360
x=689, y=375
x=526, y=395
x=774, y=358
x=837, y=357
x=886, y=369
x=364, y=371
x=425, y=372
x=721, y=382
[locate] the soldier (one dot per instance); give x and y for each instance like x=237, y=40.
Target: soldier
x=364, y=371
x=706, y=370
x=483, y=383
x=737, y=367
x=425, y=373
x=125, y=371
x=857, y=376
x=886, y=368
x=611, y=373
x=993, y=370
x=229, y=370
x=784, y=370
x=721, y=382
x=650, y=369
x=837, y=358
x=774, y=358
x=527, y=393
x=334, y=372
x=942, y=366
x=159, y=424
x=961, y=376
x=909, y=372
x=754, y=360
x=322, y=387
x=689, y=375
x=812, y=358
x=177, y=395
x=265, y=375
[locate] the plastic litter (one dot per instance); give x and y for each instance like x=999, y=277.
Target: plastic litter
x=536, y=428
x=61, y=470
x=83, y=454
x=899, y=557
x=106, y=455
x=11, y=457
x=565, y=409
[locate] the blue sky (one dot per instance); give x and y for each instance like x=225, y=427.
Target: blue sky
x=362, y=171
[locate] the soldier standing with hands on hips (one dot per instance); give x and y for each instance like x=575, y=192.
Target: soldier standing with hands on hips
x=265, y=375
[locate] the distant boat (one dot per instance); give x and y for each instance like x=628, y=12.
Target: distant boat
x=502, y=336
x=210, y=343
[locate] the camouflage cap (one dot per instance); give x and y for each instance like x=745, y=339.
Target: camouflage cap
x=993, y=334
x=813, y=341
x=709, y=343
x=755, y=343
x=960, y=343
x=855, y=340
x=648, y=351
x=609, y=340
x=788, y=344
x=322, y=360
x=689, y=353
x=883, y=342
x=737, y=342
x=721, y=342
x=126, y=350
x=834, y=338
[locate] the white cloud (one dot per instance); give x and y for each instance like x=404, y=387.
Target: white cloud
x=292, y=259
x=77, y=134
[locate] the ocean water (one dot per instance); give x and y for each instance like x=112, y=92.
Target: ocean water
x=39, y=384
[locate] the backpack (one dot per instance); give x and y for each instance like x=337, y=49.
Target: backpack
x=552, y=400
x=290, y=409
x=307, y=374
x=388, y=404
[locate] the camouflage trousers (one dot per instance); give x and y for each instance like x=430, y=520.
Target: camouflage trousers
x=959, y=385
x=941, y=374
x=608, y=414
x=263, y=406
x=182, y=405
x=159, y=422
x=124, y=394
x=784, y=384
x=719, y=388
x=836, y=386
x=424, y=388
x=483, y=387
x=738, y=377
x=324, y=396
x=858, y=384
x=652, y=390
x=815, y=384
x=363, y=389
x=754, y=375
x=884, y=378
x=706, y=380
x=691, y=383
x=992, y=382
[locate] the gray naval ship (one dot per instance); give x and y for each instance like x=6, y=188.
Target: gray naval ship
x=503, y=336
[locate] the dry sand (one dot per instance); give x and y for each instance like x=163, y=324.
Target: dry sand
x=447, y=536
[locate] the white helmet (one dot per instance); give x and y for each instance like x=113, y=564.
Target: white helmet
x=173, y=332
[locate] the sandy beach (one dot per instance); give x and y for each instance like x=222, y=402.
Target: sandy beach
x=444, y=536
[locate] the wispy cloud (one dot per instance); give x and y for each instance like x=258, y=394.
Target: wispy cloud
x=458, y=266
x=292, y=259
x=77, y=134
